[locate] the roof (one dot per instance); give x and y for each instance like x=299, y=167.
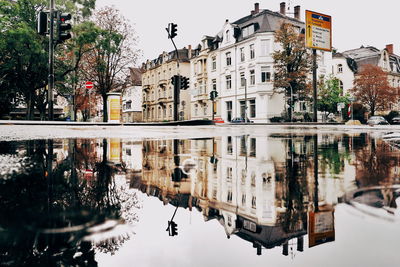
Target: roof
x=265, y=21
x=368, y=55
x=165, y=57
x=136, y=76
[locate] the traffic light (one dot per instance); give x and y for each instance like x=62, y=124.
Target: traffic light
x=42, y=22
x=175, y=79
x=184, y=83
x=63, y=27
x=172, y=30
x=174, y=228
x=213, y=95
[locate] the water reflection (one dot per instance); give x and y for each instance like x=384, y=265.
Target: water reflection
x=280, y=190
x=55, y=211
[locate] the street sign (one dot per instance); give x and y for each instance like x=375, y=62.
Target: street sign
x=318, y=31
x=89, y=85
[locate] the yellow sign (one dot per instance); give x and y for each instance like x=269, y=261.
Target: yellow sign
x=114, y=109
x=115, y=150
x=318, y=31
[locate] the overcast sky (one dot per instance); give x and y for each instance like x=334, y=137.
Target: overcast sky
x=354, y=22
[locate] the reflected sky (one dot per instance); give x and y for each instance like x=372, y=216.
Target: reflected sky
x=277, y=199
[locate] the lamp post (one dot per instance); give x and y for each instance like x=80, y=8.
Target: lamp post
x=291, y=103
x=245, y=100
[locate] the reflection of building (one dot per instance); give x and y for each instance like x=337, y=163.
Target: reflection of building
x=249, y=184
x=159, y=175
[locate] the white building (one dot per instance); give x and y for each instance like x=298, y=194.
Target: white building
x=132, y=97
x=347, y=64
x=238, y=64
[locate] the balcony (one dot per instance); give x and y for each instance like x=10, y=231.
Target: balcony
x=146, y=88
x=162, y=82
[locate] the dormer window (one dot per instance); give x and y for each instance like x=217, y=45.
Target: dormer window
x=227, y=36
x=249, y=30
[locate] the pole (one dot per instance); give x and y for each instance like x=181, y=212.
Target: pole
x=50, y=96
x=314, y=58
x=177, y=90
x=315, y=139
x=213, y=108
x=245, y=100
x=291, y=103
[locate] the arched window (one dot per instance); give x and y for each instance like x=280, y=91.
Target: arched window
x=339, y=68
x=227, y=36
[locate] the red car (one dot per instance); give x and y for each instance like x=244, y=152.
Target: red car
x=218, y=120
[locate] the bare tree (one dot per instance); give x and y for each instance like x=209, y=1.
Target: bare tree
x=113, y=52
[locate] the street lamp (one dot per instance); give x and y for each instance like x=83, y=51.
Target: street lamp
x=291, y=103
x=245, y=100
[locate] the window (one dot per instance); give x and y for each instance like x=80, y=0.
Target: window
x=213, y=63
x=170, y=110
x=227, y=35
x=243, y=146
x=228, y=59
x=252, y=108
x=229, y=196
x=229, y=148
x=253, y=179
x=242, y=56
x=242, y=80
x=265, y=44
x=244, y=175
x=340, y=68
x=253, y=202
x=196, y=109
x=252, y=147
x=252, y=52
x=229, y=174
x=129, y=105
x=164, y=113
x=242, y=109
x=214, y=84
x=228, y=81
x=229, y=111
x=265, y=74
x=252, y=77
x=205, y=110
x=243, y=199
x=248, y=30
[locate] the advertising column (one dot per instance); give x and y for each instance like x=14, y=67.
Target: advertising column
x=114, y=107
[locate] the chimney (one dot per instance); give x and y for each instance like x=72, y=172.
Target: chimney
x=256, y=8
x=189, y=51
x=297, y=12
x=283, y=8
x=389, y=48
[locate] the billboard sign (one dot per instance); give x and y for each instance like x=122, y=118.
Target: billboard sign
x=318, y=31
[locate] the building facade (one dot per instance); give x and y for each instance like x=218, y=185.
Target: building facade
x=346, y=66
x=132, y=97
x=238, y=63
x=158, y=90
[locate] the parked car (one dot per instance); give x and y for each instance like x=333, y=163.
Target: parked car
x=218, y=120
x=377, y=120
x=396, y=120
x=240, y=120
